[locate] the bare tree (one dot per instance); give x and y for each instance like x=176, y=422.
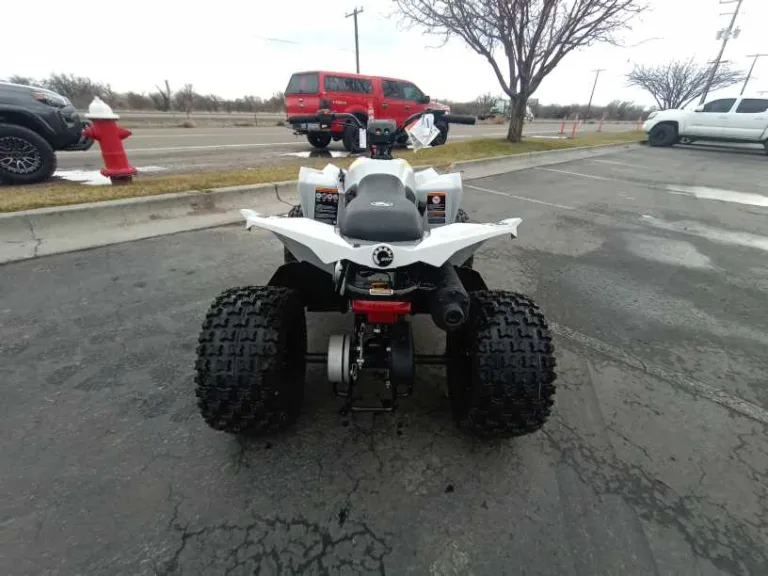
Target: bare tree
x=24, y=80
x=79, y=89
x=484, y=103
x=163, y=98
x=522, y=40
x=678, y=83
x=186, y=98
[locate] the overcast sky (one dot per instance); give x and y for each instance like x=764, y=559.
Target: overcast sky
x=225, y=47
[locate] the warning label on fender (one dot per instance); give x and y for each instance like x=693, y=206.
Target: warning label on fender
x=326, y=204
x=436, y=207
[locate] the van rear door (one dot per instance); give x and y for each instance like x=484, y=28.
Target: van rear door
x=302, y=96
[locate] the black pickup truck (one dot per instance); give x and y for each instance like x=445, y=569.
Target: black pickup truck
x=34, y=124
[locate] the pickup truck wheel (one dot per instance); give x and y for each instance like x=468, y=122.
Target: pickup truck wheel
x=25, y=156
x=441, y=138
x=663, y=135
x=319, y=139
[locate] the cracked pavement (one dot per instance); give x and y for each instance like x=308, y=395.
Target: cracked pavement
x=654, y=462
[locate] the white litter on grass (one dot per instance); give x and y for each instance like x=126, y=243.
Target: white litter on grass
x=710, y=233
x=94, y=177
x=723, y=195
x=319, y=154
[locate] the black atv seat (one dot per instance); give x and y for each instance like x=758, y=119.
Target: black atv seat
x=381, y=209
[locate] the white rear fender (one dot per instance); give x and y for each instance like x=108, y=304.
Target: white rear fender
x=454, y=242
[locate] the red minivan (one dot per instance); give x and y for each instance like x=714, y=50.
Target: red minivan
x=387, y=98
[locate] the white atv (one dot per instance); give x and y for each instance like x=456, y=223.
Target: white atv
x=382, y=241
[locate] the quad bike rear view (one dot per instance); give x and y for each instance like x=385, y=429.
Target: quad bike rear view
x=383, y=242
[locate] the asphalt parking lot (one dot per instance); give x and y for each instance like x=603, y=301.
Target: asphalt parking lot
x=652, y=267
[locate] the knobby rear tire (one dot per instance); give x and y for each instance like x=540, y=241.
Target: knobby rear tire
x=501, y=367
x=251, y=360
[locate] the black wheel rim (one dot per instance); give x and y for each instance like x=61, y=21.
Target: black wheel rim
x=659, y=135
x=19, y=156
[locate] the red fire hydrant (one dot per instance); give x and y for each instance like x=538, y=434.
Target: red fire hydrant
x=110, y=135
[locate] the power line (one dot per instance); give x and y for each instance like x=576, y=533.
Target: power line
x=751, y=69
x=357, y=44
x=726, y=35
x=296, y=43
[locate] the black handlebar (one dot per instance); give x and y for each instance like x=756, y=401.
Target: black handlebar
x=451, y=119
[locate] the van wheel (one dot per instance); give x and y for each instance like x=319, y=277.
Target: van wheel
x=663, y=135
x=319, y=139
x=25, y=156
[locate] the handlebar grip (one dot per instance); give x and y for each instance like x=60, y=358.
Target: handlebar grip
x=451, y=119
x=303, y=119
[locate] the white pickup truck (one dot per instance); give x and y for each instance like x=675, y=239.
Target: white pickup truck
x=739, y=119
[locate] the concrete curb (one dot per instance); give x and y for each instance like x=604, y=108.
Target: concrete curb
x=484, y=167
x=45, y=231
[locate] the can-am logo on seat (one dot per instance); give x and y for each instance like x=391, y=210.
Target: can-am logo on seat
x=382, y=204
x=383, y=256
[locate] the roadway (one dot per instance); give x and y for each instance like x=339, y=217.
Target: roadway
x=218, y=148
x=651, y=266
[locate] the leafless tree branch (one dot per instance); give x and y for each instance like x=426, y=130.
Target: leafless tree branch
x=533, y=35
x=678, y=83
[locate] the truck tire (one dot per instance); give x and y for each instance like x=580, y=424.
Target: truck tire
x=295, y=212
x=442, y=138
x=664, y=134
x=501, y=367
x=319, y=139
x=251, y=360
x=25, y=156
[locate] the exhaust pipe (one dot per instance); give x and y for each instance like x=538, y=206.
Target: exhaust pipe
x=449, y=303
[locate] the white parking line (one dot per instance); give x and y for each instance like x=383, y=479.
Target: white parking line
x=592, y=176
x=523, y=198
x=211, y=147
x=191, y=134
x=615, y=163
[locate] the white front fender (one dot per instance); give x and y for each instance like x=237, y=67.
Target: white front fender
x=435, y=249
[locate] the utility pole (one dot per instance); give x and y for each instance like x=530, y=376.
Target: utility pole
x=357, y=45
x=594, y=87
x=726, y=34
x=752, y=68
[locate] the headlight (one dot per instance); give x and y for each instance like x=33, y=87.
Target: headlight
x=652, y=115
x=51, y=99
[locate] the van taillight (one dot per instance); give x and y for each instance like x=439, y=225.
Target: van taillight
x=325, y=104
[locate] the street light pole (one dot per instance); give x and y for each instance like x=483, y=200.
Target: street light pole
x=751, y=69
x=726, y=36
x=594, y=87
x=354, y=14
